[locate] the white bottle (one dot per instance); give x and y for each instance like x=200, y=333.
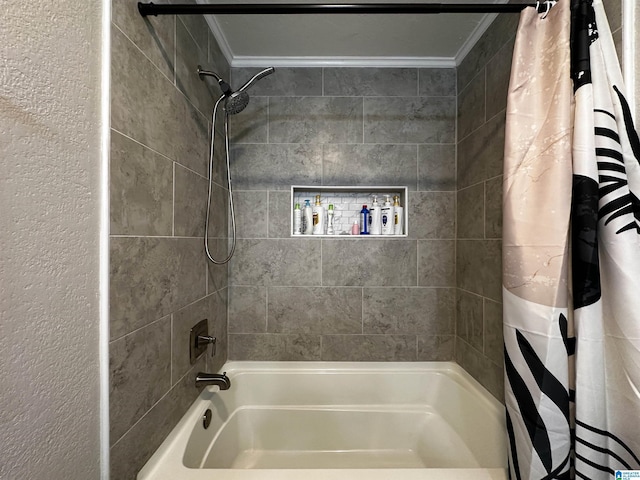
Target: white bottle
x=297, y=220
x=307, y=218
x=398, y=217
x=386, y=217
x=375, y=225
x=330, y=228
x=318, y=217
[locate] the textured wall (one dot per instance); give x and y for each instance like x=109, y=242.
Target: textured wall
x=161, y=284
x=344, y=299
x=50, y=87
x=483, y=80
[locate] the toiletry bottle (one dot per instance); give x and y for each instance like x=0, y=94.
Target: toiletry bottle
x=364, y=220
x=307, y=218
x=297, y=220
x=398, y=217
x=355, y=229
x=318, y=217
x=330, y=229
x=386, y=217
x=375, y=225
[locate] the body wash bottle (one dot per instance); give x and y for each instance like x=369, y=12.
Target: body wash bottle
x=307, y=218
x=330, y=228
x=375, y=225
x=386, y=217
x=297, y=220
x=364, y=220
x=398, y=217
x=318, y=217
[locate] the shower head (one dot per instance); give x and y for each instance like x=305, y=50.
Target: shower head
x=236, y=101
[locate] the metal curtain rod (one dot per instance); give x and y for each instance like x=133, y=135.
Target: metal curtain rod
x=293, y=8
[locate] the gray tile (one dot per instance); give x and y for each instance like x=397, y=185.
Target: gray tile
x=201, y=92
x=436, y=263
x=492, y=273
x=145, y=105
x=493, y=207
x=436, y=348
x=315, y=120
x=490, y=375
x=500, y=32
x=409, y=311
x=470, y=258
x=218, y=325
x=481, y=154
x=198, y=29
x=251, y=124
x=131, y=452
x=141, y=189
x=277, y=347
x=613, y=9
x=493, y=338
x=140, y=374
x=469, y=319
x=386, y=82
x=218, y=213
x=155, y=36
x=437, y=82
x=311, y=310
x=285, y=262
x=437, y=167
x=247, y=309
x=370, y=165
x=184, y=320
x=152, y=277
x=471, y=106
x=275, y=167
x=432, y=215
x=279, y=214
x=369, y=262
x=470, y=212
x=251, y=213
x=284, y=82
x=369, y=348
x=498, y=75
x=409, y=120
x=190, y=206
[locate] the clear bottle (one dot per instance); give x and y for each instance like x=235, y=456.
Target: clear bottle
x=398, y=217
x=307, y=218
x=386, y=217
x=297, y=220
x=375, y=224
x=330, y=217
x=318, y=217
x=364, y=220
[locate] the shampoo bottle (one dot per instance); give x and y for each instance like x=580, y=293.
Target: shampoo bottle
x=386, y=217
x=297, y=220
x=318, y=217
x=330, y=229
x=398, y=217
x=364, y=220
x=375, y=225
x=307, y=218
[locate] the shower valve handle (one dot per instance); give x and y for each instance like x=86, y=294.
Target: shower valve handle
x=205, y=340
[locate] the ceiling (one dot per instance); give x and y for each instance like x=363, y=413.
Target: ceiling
x=440, y=40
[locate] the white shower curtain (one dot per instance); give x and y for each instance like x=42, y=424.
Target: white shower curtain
x=571, y=251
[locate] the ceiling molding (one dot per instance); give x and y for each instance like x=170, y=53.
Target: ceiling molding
x=380, y=62
x=474, y=37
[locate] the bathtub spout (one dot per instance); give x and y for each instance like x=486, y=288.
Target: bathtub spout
x=204, y=379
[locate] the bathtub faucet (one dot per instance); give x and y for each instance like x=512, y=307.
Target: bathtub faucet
x=204, y=379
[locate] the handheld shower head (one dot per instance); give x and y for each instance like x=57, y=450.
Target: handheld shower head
x=236, y=101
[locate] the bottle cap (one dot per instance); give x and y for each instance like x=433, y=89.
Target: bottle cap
x=317, y=199
x=297, y=207
x=331, y=206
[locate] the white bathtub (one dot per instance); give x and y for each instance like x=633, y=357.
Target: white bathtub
x=338, y=421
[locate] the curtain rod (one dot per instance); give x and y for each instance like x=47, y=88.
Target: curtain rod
x=298, y=8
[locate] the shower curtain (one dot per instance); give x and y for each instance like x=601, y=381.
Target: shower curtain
x=571, y=252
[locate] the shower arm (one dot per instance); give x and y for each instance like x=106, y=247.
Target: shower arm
x=369, y=8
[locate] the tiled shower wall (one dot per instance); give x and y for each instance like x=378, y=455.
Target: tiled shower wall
x=160, y=281
x=344, y=298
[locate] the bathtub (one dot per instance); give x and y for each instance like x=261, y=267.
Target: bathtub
x=338, y=421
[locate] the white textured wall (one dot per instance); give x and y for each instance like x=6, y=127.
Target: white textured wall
x=50, y=54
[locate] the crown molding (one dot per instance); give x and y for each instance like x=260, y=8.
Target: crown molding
x=380, y=62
